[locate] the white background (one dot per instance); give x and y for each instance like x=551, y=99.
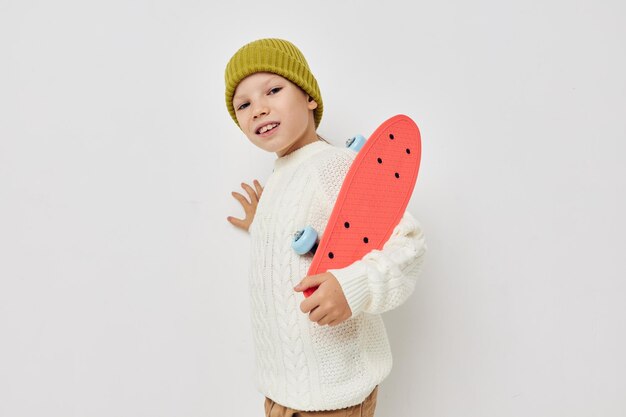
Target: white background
x=123, y=289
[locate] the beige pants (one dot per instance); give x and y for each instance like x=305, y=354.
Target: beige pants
x=365, y=409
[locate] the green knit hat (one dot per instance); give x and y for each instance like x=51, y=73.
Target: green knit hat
x=277, y=56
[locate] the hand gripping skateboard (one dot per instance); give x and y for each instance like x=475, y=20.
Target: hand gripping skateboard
x=372, y=199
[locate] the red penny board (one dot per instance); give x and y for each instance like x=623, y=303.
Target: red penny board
x=373, y=197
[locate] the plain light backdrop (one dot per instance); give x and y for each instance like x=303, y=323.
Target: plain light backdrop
x=123, y=289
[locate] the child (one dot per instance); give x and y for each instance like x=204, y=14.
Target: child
x=326, y=354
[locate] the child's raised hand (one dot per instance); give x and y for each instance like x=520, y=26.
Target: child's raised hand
x=249, y=207
x=328, y=304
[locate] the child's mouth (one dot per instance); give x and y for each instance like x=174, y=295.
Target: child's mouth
x=268, y=130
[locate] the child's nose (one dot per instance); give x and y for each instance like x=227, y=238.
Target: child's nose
x=260, y=110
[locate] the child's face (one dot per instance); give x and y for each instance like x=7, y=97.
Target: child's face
x=264, y=98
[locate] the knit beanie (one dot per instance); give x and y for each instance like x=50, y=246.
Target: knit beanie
x=277, y=56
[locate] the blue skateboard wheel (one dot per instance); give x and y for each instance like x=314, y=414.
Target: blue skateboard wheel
x=304, y=240
x=355, y=143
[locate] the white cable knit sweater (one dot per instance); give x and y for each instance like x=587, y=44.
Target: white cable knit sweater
x=300, y=364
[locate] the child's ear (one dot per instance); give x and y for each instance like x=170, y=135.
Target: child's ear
x=312, y=105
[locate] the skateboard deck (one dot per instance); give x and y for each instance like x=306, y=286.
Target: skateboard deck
x=373, y=197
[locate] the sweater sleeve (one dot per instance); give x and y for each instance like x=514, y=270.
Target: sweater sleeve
x=383, y=279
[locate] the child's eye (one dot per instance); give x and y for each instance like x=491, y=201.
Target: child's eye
x=242, y=106
x=276, y=89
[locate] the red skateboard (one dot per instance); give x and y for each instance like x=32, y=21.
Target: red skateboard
x=372, y=199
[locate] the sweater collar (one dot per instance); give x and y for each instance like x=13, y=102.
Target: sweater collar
x=296, y=157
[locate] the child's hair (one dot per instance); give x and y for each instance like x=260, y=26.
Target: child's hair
x=279, y=57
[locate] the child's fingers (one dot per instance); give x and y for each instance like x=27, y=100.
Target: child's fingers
x=245, y=203
x=248, y=209
x=251, y=193
x=318, y=315
x=327, y=319
x=310, y=281
x=309, y=304
x=259, y=188
x=237, y=222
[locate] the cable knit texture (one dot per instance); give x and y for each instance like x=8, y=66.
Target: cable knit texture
x=300, y=364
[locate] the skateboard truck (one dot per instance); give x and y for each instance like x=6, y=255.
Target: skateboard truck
x=305, y=241
x=355, y=143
